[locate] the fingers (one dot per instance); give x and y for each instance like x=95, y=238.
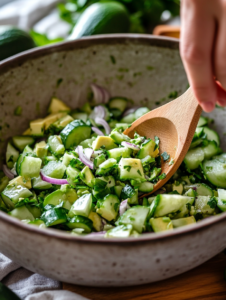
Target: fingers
x=220, y=49
x=221, y=94
x=197, y=39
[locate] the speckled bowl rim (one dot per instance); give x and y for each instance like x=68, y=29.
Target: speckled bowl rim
x=19, y=59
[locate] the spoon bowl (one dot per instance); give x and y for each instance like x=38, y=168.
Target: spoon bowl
x=174, y=124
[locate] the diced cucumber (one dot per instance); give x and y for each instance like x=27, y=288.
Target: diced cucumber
x=69, y=192
x=134, y=199
x=169, y=204
x=121, y=231
x=221, y=200
x=161, y=224
x=118, y=103
x=215, y=172
x=202, y=122
x=20, y=142
x=28, y=149
x=30, y=167
x=128, y=119
x=79, y=116
x=183, y=222
x=211, y=149
x=148, y=148
x=131, y=169
x=202, y=205
x=119, y=152
x=56, y=105
x=99, y=160
x=11, y=156
x=106, y=166
x=21, y=213
x=56, y=198
x=201, y=189
x=105, y=141
x=108, y=207
x=82, y=206
x=35, y=211
x=109, y=180
x=54, y=169
x=54, y=216
x=72, y=174
x=136, y=216
x=12, y=194
x=211, y=134
x=38, y=223
x=81, y=222
x=53, y=118
x=221, y=157
x=193, y=158
x=118, y=190
x=96, y=219
x=127, y=192
x=87, y=176
x=74, y=133
x=146, y=187
x=119, y=137
x=55, y=145
x=88, y=142
x=67, y=158
x=140, y=112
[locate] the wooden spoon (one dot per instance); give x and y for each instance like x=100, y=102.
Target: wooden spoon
x=174, y=124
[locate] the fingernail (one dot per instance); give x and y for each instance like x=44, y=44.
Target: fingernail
x=208, y=106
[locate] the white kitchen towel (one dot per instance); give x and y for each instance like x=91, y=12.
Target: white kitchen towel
x=30, y=286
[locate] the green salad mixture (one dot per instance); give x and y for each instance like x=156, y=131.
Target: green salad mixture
x=76, y=171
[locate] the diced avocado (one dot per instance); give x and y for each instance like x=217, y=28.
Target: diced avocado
x=53, y=118
x=21, y=181
x=178, y=187
x=3, y=183
x=22, y=213
x=41, y=149
x=96, y=219
x=161, y=224
x=27, y=132
x=87, y=176
x=11, y=155
x=131, y=169
x=37, y=127
x=82, y=206
x=62, y=123
x=56, y=105
x=136, y=216
x=148, y=148
x=74, y=133
x=183, y=222
x=105, y=141
x=108, y=207
x=121, y=231
x=69, y=192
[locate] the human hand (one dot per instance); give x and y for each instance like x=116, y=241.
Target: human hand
x=203, y=49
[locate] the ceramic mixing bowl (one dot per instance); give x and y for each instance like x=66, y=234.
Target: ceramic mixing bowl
x=140, y=67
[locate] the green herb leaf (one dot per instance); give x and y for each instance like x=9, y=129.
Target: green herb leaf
x=162, y=176
x=212, y=202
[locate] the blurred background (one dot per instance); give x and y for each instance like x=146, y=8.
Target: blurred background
x=25, y=24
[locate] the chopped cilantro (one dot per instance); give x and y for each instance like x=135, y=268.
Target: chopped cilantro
x=138, y=171
x=162, y=176
x=209, y=168
x=165, y=156
x=171, y=162
x=128, y=168
x=157, y=141
x=113, y=59
x=173, y=95
x=188, y=205
x=212, y=202
x=18, y=111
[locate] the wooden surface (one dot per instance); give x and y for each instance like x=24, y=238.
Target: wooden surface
x=202, y=283
x=167, y=30
x=175, y=124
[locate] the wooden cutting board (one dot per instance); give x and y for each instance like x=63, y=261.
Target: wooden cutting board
x=202, y=283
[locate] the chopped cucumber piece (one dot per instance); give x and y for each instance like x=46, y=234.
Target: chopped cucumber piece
x=193, y=158
x=140, y=112
x=54, y=216
x=21, y=181
x=146, y=187
x=108, y=207
x=87, y=176
x=30, y=167
x=183, y=222
x=131, y=169
x=202, y=122
x=81, y=222
x=148, y=148
x=55, y=145
x=97, y=222
x=54, y=169
x=211, y=149
x=22, y=213
x=215, y=172
x=11, y=156
x=82, y=206
x=201, y=189
x=161, y=224
x=74, y=133
x=117, y=153
x=40, y=150
x=106, y=166
x=20, y=142
x=79, y=116
x=12, y=194
x=211, y=134
x=118, y=103
x=203, y=205
x=121, y=231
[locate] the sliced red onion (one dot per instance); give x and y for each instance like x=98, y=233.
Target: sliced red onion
x=84, y=159
x=101, y=95
x=13, y=170
x=102, y=122
x=131, y=146
x=53, y=180
x=130, y=111
x=123, y=207
x=88, y=152
x=98, y=112
x=7, y=172
x=97, y=131
x=96, y=234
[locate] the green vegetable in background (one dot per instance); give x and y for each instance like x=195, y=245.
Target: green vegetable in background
x=42, y=39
